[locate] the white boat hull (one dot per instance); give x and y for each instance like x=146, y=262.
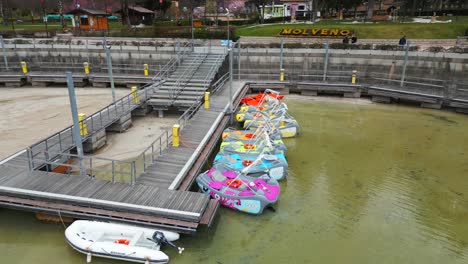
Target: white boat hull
x=117, y=241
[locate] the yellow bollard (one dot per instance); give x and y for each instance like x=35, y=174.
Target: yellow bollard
x=136, y=99
x=207, y=100
x=175, y=135
x=83, y=126
x=24, y=67
x=281, y=74
x=86, y=68
x=146, y=69
x=353, y=78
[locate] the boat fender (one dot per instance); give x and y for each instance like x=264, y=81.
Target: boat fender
x=88, y=257
x=234, y=183
x=122, y=241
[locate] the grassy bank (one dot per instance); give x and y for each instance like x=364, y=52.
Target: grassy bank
x=370, y=31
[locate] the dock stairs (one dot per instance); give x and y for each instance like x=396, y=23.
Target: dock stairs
x=188, y=83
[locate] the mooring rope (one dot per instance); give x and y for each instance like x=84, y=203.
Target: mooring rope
x=61, y=220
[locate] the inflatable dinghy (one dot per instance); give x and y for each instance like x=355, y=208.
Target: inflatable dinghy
x=122, y=242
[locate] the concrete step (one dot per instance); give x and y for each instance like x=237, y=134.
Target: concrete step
x=159, y=102
x=174, y=85
x=183, y=90
x=184, y=103
x=187, y=88
x=179, y=97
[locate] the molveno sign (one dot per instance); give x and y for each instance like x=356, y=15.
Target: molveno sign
x=315, y=32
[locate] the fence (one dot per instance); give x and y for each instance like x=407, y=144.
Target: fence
x=420, y=72
x=62, y=141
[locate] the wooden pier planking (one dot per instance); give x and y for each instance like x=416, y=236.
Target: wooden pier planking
x=150, y=189
x=164, y=171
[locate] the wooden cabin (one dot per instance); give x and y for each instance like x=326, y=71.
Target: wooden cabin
x=138, y=15
x=90, y=19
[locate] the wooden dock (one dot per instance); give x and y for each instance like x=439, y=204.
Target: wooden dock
x=158, y=198
x=171, y=167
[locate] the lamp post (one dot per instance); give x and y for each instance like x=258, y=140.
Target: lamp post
x=191, y=17
x=230, y=85
x=44, y=17
x=228, y=37
x=310, y=10
x=107, y=48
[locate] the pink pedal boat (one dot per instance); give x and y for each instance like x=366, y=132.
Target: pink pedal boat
x=238, y=191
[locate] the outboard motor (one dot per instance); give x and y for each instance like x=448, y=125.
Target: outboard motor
x=160, y=239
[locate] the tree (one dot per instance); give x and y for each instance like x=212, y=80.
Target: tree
x=1, y=11
x=258, y=4
x=125, y=16
x=158, y=5
x=370, y=9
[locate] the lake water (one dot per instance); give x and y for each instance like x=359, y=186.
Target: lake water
x=367, y=184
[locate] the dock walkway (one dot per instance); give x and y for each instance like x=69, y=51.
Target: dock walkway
x=152, y=201
x=170, y=168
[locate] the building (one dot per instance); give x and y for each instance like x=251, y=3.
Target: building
x=139, y=15
x=296, y=8
x=89, y=19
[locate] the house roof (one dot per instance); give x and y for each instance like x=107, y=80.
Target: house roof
x=137, y=9
x=140, y=9
x=89, y=11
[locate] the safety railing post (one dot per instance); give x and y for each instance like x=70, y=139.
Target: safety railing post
x=5, y=58
x=325, y=64
x=238, y=59
x=30, y=159
x=113, y=171
x=91, y=167
x=46, y=156
x=403, y=74
x=134, y=173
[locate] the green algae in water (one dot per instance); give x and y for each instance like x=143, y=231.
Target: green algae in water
x=367, y=184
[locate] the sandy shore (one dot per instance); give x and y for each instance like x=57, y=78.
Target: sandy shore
x=144, y=131
x=28, y=115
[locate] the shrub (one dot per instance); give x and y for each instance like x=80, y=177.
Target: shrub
x=435, y=49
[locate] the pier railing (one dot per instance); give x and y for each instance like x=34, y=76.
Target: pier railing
x=95, y=167
x=175, y=61
x=63, y=141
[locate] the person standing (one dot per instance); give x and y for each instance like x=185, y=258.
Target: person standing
x=346, y=40
x=353, y=39
x=402, y=41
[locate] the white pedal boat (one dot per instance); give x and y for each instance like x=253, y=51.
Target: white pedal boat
x=117, y=241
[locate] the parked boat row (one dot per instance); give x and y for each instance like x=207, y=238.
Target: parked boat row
x=251, y=161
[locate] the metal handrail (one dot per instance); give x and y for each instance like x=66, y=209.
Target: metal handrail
x=220, y=83
x=91, y=167
x=169, y=67
x=63, y=140
x=186, y=76
x=212, y=70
